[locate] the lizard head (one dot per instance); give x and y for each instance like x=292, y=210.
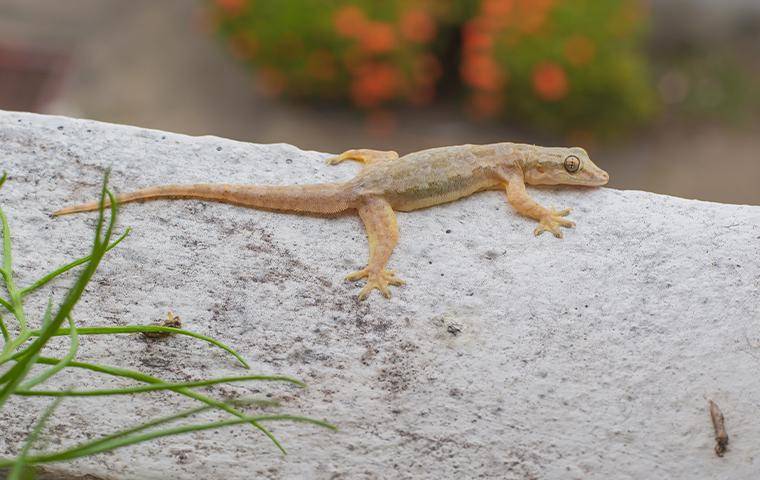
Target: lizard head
x=563, y=166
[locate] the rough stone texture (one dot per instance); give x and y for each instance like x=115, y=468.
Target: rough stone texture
x=505, y=356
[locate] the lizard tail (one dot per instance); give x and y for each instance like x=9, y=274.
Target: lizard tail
x=324, y=198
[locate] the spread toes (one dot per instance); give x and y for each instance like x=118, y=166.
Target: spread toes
x=552, y=221
x=375, y=280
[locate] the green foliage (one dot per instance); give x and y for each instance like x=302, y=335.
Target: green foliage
x=23, y=351
x=572, y=66
x=369, y=52
x=561, y=65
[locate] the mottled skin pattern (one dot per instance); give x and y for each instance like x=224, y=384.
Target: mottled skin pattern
x=388, y=183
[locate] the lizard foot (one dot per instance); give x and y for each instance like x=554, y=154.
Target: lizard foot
x=375, y=280
x=552, y=221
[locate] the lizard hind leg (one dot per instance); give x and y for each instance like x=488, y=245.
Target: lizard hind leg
x=365, y=156
x=382, y=235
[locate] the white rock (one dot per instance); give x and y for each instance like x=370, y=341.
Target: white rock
x=505, y=356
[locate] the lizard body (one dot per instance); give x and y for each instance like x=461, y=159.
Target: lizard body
x=388, y=183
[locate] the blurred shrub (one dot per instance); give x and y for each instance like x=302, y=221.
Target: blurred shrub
x=570, y=65
x=372, y=53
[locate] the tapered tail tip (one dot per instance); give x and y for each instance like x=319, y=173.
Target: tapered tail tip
x=87, y=207
x=60, y=212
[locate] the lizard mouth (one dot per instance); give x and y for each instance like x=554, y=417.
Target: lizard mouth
x=594, y=178
x=602, y=179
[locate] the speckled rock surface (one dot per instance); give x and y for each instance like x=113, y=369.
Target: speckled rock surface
x=506, y=356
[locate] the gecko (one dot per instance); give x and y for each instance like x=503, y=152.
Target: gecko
x=388, y=183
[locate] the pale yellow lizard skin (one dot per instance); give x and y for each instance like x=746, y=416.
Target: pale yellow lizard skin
x=388, y=183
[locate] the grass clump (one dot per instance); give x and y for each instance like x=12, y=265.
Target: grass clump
x=22, y=350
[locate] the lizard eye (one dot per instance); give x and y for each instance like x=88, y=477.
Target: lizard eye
x=572, y=164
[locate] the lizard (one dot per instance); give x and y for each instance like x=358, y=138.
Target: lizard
x=388, y=183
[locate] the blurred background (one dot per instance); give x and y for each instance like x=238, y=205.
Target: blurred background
x=665, y=94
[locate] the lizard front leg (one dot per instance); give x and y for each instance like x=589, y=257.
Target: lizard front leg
x=382, y=235
x=365, y=156
x=549, y=220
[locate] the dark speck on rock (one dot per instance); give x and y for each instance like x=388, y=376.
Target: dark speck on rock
x=490, y=255
x=288, y=161
x=218, y=149
x=448, y=231
x=60, y=127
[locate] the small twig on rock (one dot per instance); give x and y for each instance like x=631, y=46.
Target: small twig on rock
x=721, y=437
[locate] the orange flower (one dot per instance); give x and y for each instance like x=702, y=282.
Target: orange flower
x=550, y=81
x=350, y=21
x=233, y=7
x=482, y=72
x=579, y=50
x=474, y=37
x=378, y=37
x=374, y=84
x=417, y=26
x=497, y=7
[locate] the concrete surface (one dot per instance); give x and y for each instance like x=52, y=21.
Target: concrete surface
x=506, y=356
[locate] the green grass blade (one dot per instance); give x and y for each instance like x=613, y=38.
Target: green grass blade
x=10, y=347
x=18, y=467
x=7, y=258
x=150, y=424
x=114, y=205
x=17, y=373
x=5, y=303
x=65, y=268
x=2, y=180
x=60, y=365
x=139, y=376
x=86, y=449
x=4, y=329
x=14, y=304
x=155, y=387
x=150, y=329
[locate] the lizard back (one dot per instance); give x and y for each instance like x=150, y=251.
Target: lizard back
x=431, y=177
